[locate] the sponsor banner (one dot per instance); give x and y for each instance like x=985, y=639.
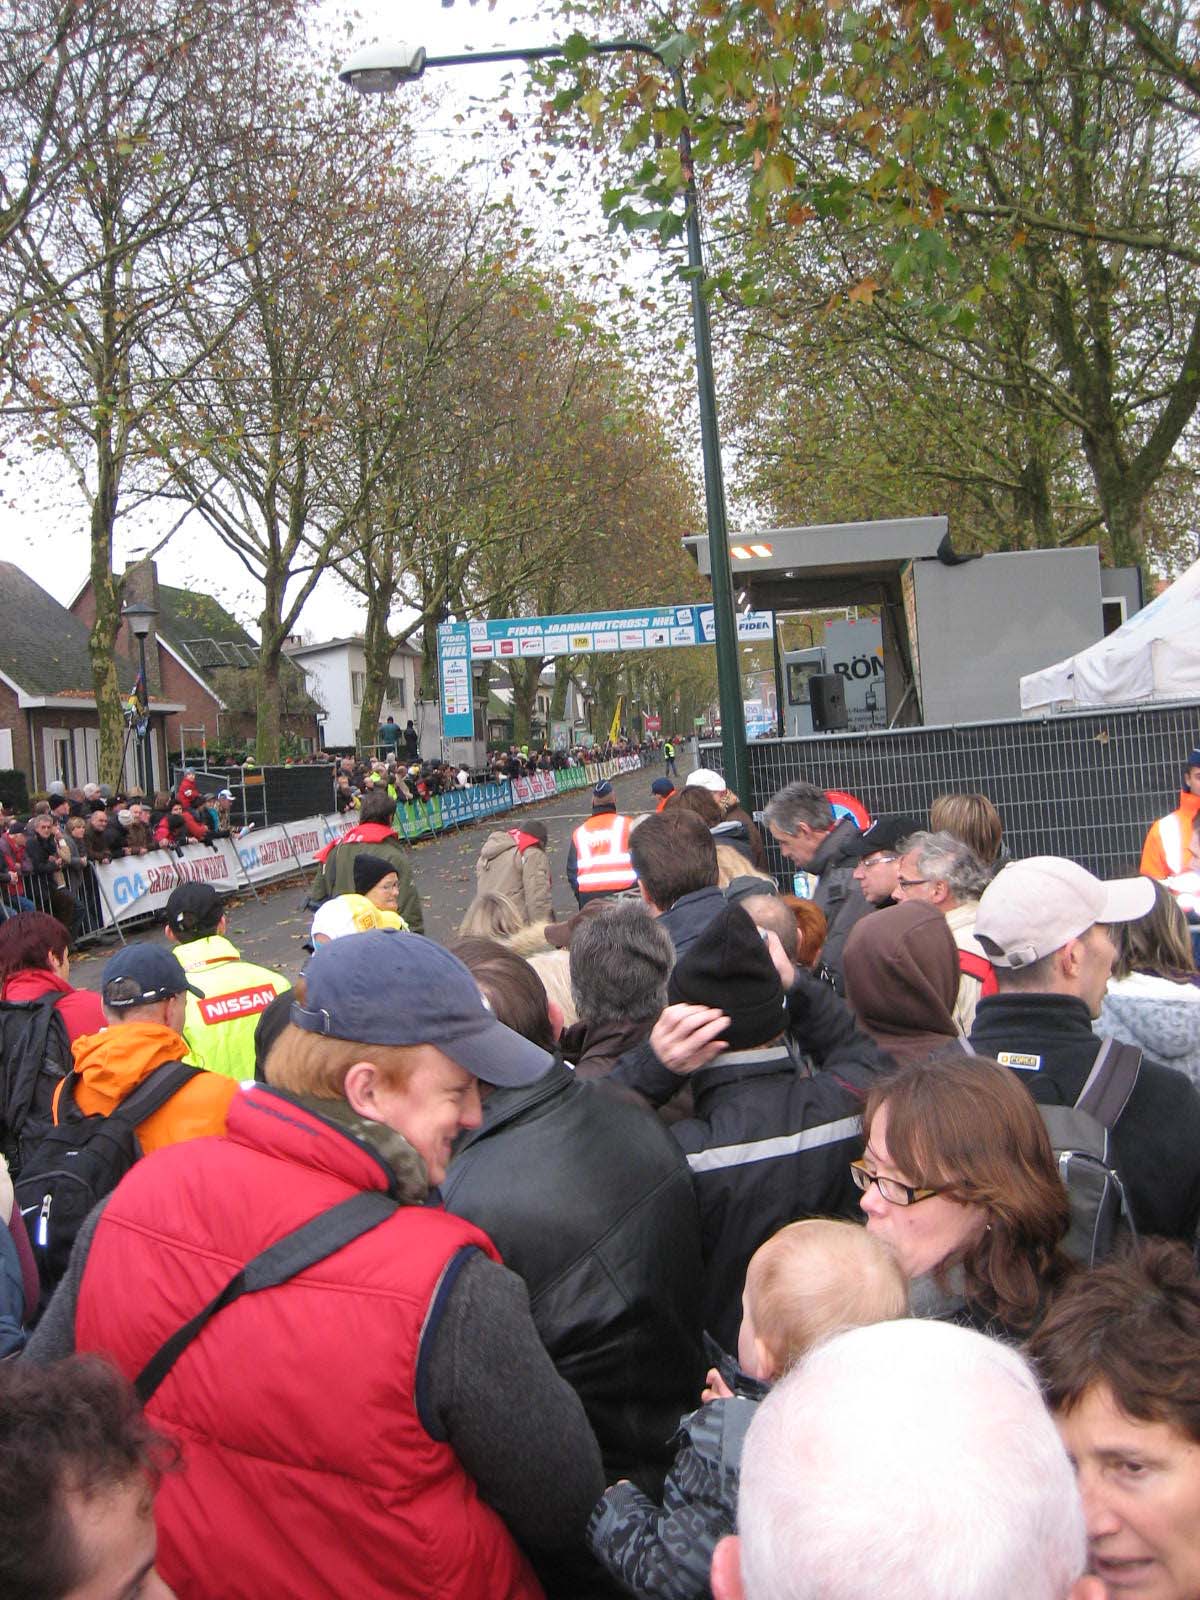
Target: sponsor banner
x=648, y=628
x=473, y=805
x=267, y=853
x=137, y=886
x=537, y=786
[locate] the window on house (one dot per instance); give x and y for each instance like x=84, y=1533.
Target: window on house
x=396, y=694
x=358, y=682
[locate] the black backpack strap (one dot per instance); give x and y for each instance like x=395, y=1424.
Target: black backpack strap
x=1110, y=1083
x=303, y=1247
x=150, y=1095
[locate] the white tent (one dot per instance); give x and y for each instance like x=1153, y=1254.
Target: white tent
x=1153, y=656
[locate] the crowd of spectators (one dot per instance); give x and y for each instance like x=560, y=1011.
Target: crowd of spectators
x=712, y=1241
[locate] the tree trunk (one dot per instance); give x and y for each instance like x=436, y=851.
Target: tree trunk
x=562, y=682
x=267, y=733
x=103, y=637
x=378, y=646
x=524, y=676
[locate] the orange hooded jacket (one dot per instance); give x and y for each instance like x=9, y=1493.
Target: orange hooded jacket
x=112, y=1063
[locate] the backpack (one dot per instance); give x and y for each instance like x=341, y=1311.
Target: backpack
x=80, y=1161
x=1081, y=1135
x=35, y=1055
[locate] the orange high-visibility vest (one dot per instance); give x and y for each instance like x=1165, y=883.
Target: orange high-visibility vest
x=603, y=862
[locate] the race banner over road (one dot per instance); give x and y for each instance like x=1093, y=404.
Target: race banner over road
x=661, y=628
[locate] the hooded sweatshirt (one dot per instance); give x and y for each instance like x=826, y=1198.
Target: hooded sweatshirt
x=80, y=1009
x=111, y=1064
x=901, y=969
x=513, y=863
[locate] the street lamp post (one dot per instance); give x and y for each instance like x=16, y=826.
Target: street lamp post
x=381, y=68
x=140, y=619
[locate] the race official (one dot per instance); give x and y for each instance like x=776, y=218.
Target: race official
x=598, y=862
x=220, y=1022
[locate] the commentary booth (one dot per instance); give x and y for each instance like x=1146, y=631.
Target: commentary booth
x=958, y=633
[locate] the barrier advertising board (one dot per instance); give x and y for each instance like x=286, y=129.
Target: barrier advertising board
x=139, y=886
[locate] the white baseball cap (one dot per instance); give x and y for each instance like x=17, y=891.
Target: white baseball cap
x=1031, y=908
x=705, y=778
x=344, y=914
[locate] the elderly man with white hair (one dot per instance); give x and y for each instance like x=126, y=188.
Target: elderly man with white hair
x=912, y=1460
x=732, y=812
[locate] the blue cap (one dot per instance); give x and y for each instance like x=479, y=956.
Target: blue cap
x=389, y=987
x=662, y=786
x=1193, y=759
x=603, y=790
x=152, y=967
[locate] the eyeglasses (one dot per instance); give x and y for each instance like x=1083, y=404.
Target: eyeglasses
x=877, y=860
x=910, y=883
x=892, y=1190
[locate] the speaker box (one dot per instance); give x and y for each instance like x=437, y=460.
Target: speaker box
x=827, y=698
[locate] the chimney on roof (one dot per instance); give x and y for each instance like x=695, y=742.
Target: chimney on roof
x=141, y=585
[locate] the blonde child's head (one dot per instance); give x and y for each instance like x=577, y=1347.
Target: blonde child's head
x=809, y=1281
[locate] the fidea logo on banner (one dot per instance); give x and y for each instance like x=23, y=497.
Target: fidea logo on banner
x=650, y=628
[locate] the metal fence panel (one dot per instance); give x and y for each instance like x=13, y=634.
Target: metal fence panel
x=1085, y=785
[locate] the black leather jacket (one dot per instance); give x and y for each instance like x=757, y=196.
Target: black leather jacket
x=588, y=1198
x=771, y=1135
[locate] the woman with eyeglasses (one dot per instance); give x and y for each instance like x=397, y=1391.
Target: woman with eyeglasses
x=958, y=1177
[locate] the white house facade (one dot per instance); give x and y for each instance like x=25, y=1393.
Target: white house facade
x=338, y=672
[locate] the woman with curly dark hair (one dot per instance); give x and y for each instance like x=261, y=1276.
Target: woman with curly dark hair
x=959, y=1178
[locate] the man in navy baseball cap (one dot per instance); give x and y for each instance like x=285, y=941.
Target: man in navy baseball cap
x=142, y=975
x=662, y=789
x=383, y=988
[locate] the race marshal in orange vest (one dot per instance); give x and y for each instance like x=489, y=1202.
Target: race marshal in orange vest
x=598, y=861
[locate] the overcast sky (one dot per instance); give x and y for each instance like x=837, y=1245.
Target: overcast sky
x=43, y=523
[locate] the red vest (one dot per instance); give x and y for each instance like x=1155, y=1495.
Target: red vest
x=603, y=864
x=307, y=1472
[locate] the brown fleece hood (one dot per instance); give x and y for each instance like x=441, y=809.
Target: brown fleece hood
x=902, y=975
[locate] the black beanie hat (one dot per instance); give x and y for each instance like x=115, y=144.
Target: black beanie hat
x=730, y=967
x=370, y=870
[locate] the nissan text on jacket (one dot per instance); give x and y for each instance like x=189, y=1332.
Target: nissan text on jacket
x=337, y=1431
x=219, y=1028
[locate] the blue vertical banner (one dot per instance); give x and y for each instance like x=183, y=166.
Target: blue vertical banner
x=454, y=680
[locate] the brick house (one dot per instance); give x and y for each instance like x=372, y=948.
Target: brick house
x=49, y=727
x=204, y=661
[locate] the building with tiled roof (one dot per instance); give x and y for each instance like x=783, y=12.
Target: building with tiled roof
x=201, y=657
x=49, y=726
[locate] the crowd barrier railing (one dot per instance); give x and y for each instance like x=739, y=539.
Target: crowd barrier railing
x=135, y=887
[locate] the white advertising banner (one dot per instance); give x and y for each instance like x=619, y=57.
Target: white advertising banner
x=136, y=886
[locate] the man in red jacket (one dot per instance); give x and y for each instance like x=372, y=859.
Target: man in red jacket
x=386, y=1424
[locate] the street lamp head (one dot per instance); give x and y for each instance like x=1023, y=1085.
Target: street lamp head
x=140, y=619
x=380, y=68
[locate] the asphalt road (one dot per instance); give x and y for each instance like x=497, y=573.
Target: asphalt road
x=270, y=930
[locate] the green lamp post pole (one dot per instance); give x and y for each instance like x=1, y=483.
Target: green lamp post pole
x=379, y=70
